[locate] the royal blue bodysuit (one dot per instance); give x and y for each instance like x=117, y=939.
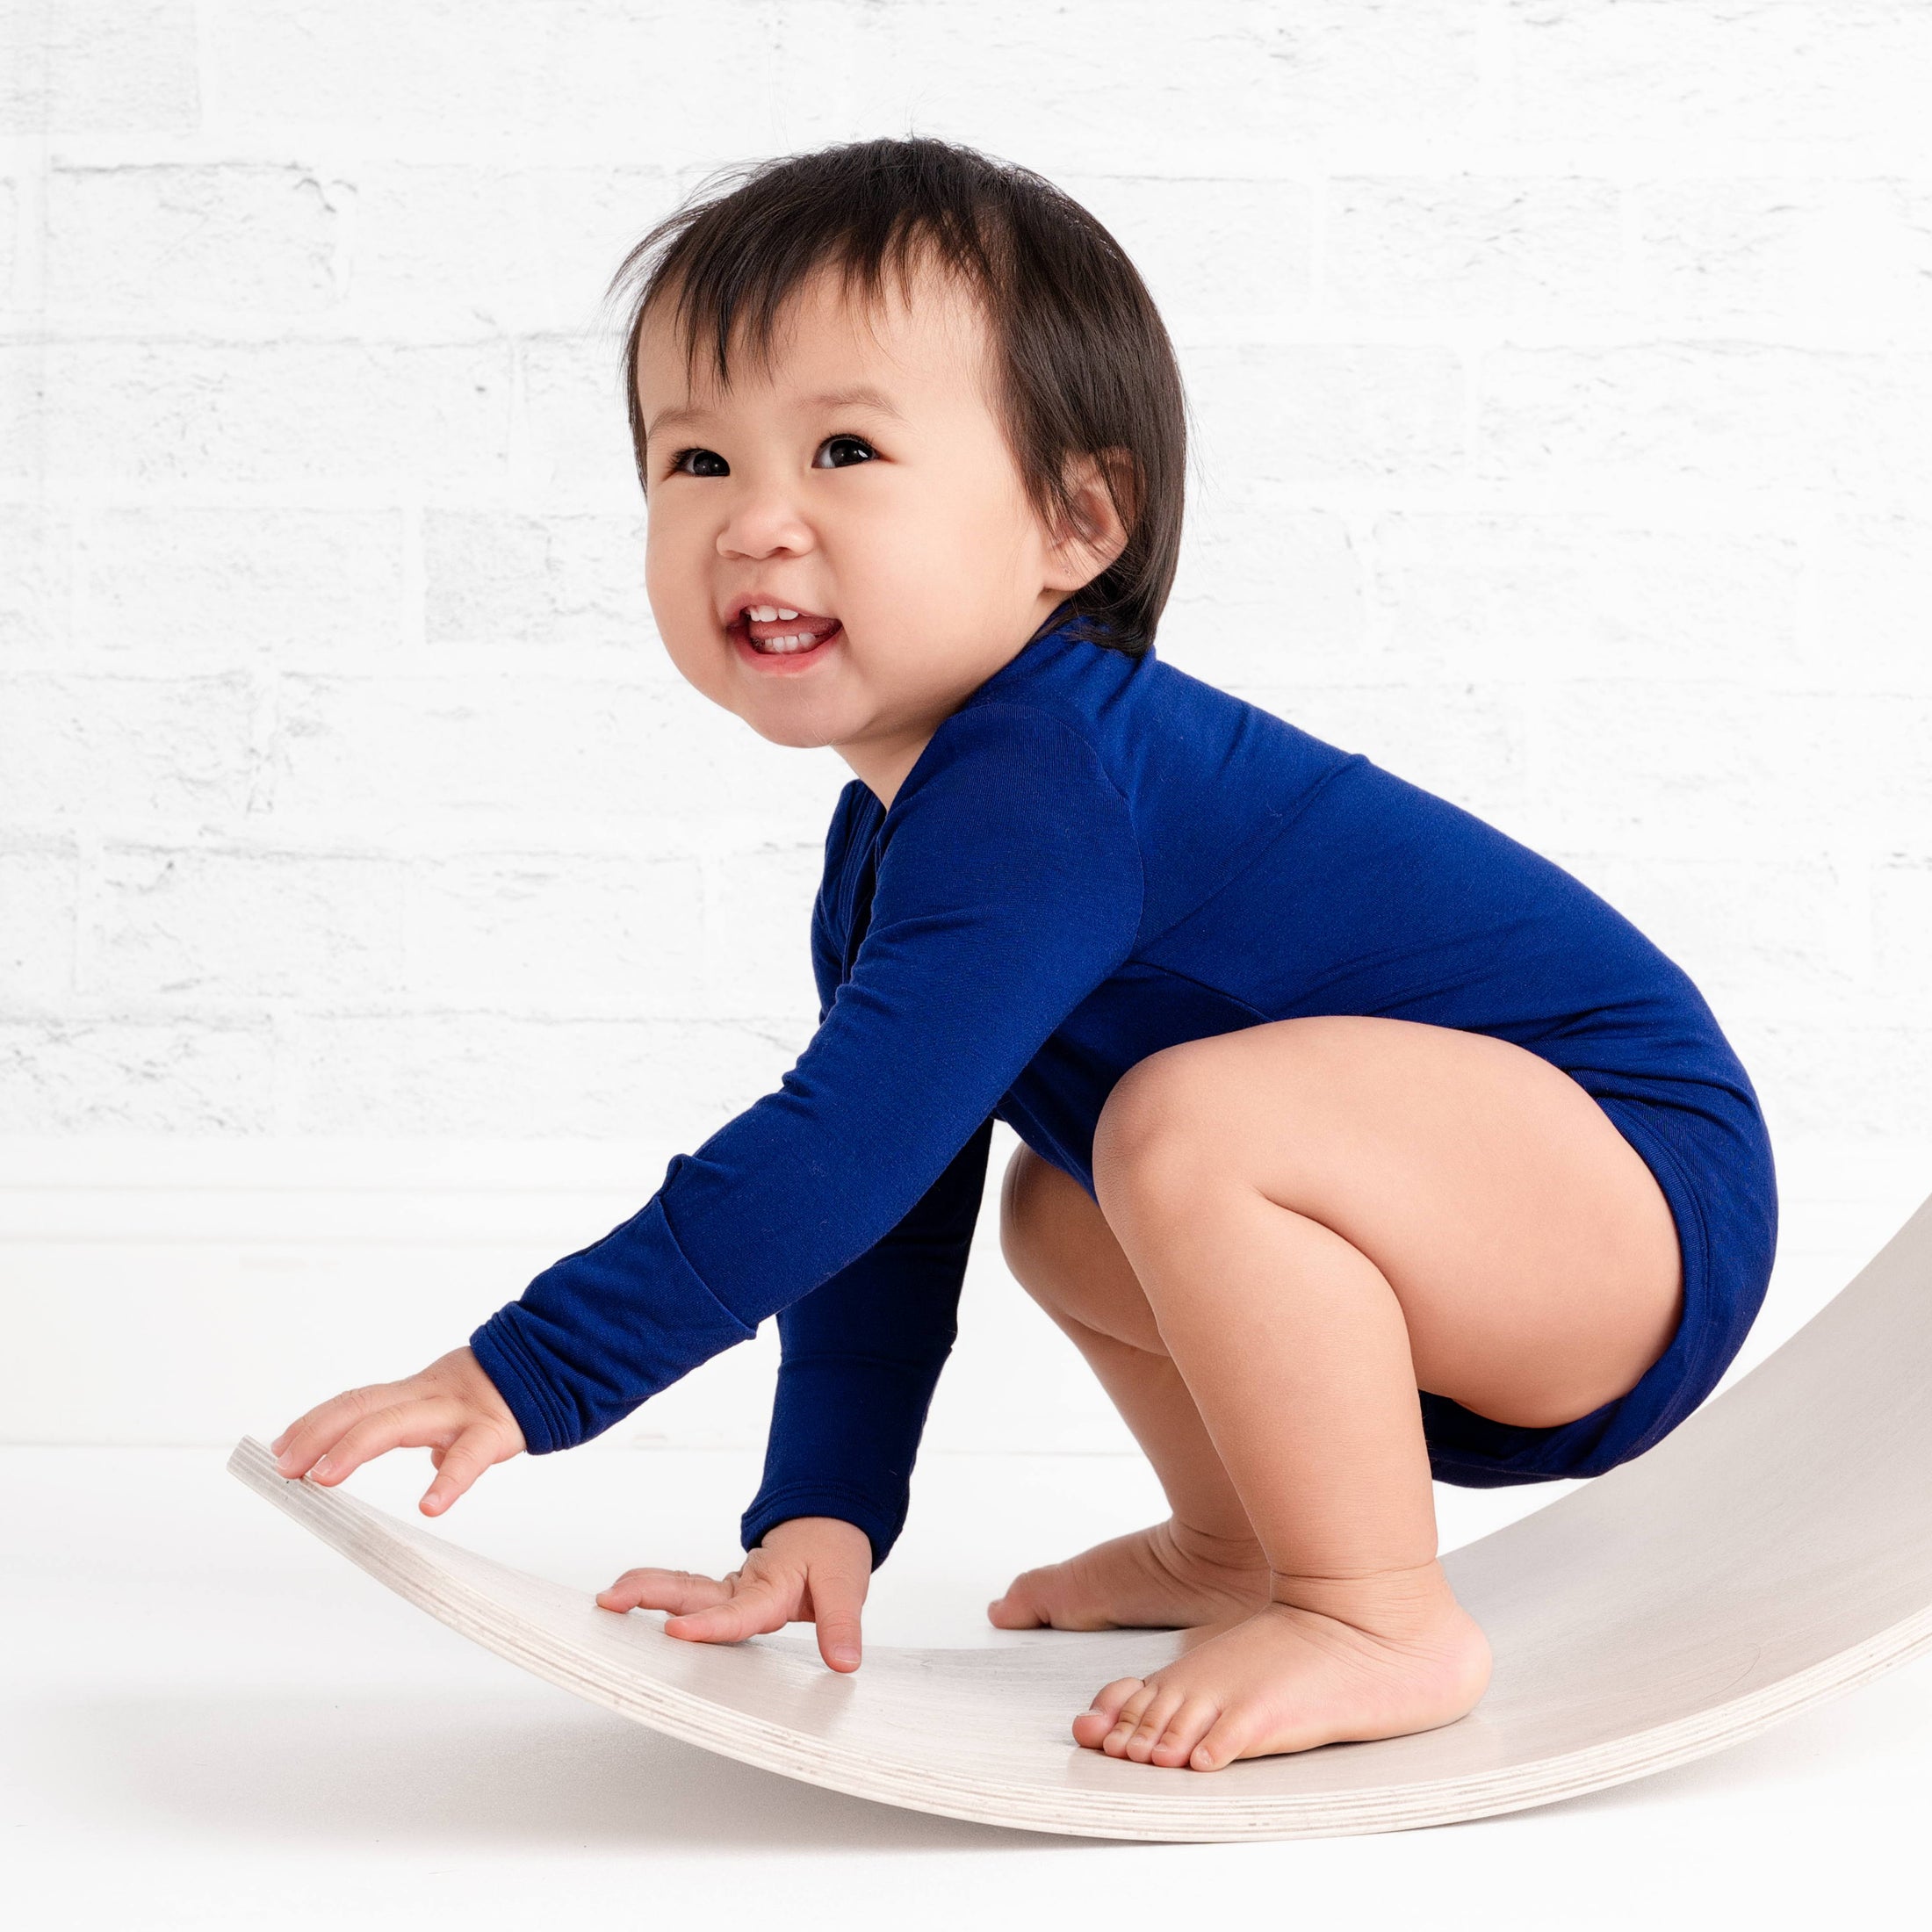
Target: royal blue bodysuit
x=1094, y=857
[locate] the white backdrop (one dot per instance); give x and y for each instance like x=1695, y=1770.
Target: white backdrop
x=379, y=912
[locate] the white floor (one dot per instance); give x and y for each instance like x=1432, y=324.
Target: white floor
x=210, y=1720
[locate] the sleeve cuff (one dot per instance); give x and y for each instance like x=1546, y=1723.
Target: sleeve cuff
x=881, y=1525
x=602, y=1330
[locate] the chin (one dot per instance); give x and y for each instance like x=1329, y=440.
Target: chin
x=795, y=733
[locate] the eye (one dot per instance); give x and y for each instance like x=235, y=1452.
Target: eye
x=841, y=448
x=683, y=457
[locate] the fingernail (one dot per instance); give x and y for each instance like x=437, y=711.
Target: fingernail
x=322, y=1466
x=845, y=1654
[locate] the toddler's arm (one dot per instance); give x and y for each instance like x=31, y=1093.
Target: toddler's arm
x=1008, y=886
x=862, y=1355
x=452, y=1408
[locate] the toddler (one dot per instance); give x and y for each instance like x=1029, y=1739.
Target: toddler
x=1360, y=1144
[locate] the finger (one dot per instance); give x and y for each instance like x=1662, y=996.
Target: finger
x=317, y=1431
x=837, y=1598
x=305, y=1438
x=307, y=1419
x=675, y=1590
x=750, y=1613
x=458, y=1467
x=404, y=1425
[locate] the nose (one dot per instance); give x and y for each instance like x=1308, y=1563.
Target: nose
x=763, y=520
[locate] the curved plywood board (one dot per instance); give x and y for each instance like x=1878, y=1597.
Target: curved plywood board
x=1775, y=1550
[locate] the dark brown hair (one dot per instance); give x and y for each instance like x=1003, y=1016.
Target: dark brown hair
x=1084, y=366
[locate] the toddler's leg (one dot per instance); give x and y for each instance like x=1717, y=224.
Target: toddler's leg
x=1204, y=1562
x=1323, y=1214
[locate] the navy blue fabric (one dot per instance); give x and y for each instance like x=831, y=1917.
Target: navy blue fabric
x=1093, y=858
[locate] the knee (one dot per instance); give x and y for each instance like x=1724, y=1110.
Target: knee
x=1027, y=1222
x=1059, y=1247
x=1153, y=1131
x=1061, y=1251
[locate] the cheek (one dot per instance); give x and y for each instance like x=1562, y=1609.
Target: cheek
x=946, y=551
x=664, y=544
x=676, y=573
x=678, y=585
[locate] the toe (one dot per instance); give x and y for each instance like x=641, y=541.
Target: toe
x=1128, y=1721
x=1185, y=1729
x=1055, y=1597
x=1035, y=1599
x=1092, y=1726
x=1224, y=1743
x=1016, y=1610
x=1155, y=1717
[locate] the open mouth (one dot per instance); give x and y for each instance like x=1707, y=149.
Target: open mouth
x=778, y=636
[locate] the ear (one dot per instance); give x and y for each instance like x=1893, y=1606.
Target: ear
x=1097, y=532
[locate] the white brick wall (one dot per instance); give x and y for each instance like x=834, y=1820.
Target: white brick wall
x=378, y=911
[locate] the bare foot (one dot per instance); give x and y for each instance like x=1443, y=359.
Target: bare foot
x=1386, y=1657
x=1165, y=1578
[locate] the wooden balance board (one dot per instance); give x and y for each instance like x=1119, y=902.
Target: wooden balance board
x=1774, y=1550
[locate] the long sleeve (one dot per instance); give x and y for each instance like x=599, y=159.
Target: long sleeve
x=1008, y=886
x=862, y=1356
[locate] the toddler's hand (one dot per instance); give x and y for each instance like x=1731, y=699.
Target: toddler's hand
x=812, y=1569
x=452, y=1408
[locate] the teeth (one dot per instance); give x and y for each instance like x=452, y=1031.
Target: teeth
x=784, y=615
x=769, y=613
x=781, y=645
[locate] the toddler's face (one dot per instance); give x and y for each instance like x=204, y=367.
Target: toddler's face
x=864, y=484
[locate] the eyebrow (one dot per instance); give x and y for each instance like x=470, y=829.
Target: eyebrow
x=860, y=395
